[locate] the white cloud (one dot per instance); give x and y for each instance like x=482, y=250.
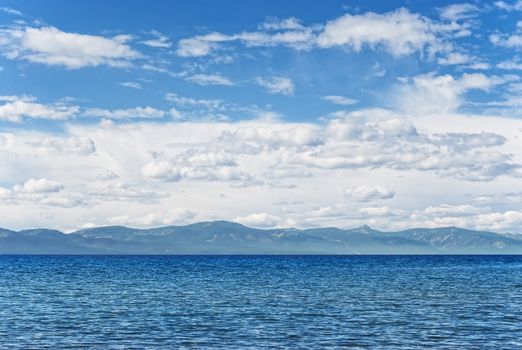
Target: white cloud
x=510, y=65
x=262, y=220
x=11, y=11
x=277, y=85
x=194, y=47
x=128, y=113
x=18, y=107
x=173, y=216
x=107, y=175
x=456, y=12
x=454, y=210
x=159, y=40
x=51, y=46
x=124, y=192
x=46, y=145
x=259, y=162
x=400, y=32
x=511, y=41
x=40, y=186
x=454, y=58
x=375, y=211
x=196, y=165
x=187, y=101
x=339, y=100
x=515, y=6
x=369, y=193
x=210, y=79
x=130, y=84
x=428, y=93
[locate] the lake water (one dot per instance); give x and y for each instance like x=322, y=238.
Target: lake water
x=238, y=302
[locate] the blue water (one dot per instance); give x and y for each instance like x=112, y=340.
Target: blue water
x=254, y=302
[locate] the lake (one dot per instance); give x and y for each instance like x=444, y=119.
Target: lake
x=238, y=302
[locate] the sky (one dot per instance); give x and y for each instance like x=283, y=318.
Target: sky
x=393, y=114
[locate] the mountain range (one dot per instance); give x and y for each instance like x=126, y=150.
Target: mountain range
x=222, y=237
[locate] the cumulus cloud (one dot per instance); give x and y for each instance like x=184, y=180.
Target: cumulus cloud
x=511, y=6
x=454, y=58
x=130, y=84
x=158, y=41
x=107, y=175
x=196, y=165
x=123, y=192
x=510, y=65
x=210, y=79
x=11, y=11
x=262, y=220
x=40, y=186
x=16, y=108
x=51, y=46
x=512, y=41
x=273, y=34
x=128, y=113
x=173, y=216
x=339, y=100
x=369, y=193
x=399, y=32
x=429, y=93
x=45, y=145
x=456, y=12
x=277, y=85
x=168, y=165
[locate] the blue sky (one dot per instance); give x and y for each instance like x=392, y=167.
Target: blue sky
x=393, y=113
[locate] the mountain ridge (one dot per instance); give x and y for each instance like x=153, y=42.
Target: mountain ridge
x=224, y=237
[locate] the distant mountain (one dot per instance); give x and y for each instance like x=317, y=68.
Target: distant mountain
x=222, y=237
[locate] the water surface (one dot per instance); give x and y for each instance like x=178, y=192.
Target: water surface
x=237, y=302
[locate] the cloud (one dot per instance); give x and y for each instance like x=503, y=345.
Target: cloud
x=196, y=164
x=277, y=85
x=128, y=113
x=73, y=145
x=190, y=164
x=375, y=211
x=195, y=47
x=456, y=12
x=51, y=46
x=188, y=101
x=107, y=175
x=339, y=100
x=399, y=32
x=124, y=192
x=510, y=65
x=130, y=84
x=429, y=93
x=454, y=210
x=159, y=41
x=262, y=220
x=173, y=216
x=515, y=6
x=18, y=107
x=11, y=11
x=369, y=193
x=290, y=23
x=210, y=79
x=46, y=145
x=272, y=35
x=40, y=186
x=454, y=58
x=512, y=41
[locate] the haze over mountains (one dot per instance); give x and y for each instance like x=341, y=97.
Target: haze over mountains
x=222, y=237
